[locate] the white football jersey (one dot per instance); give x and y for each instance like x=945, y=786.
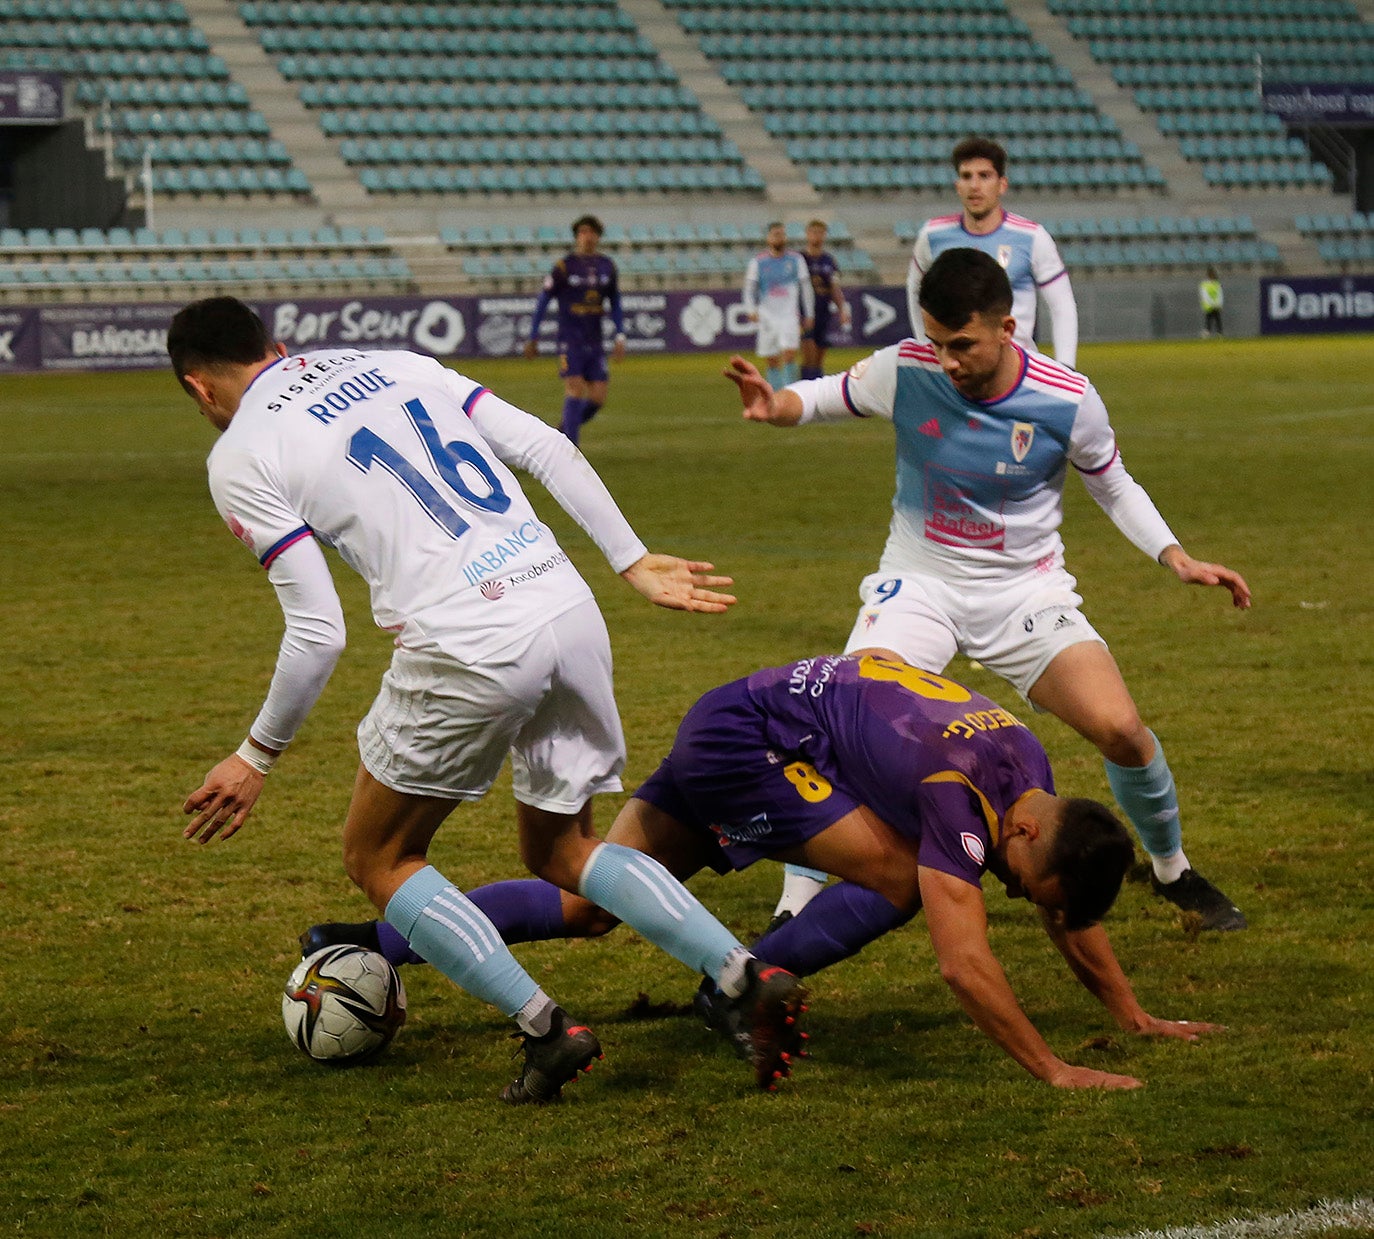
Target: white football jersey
x=1022, y=247
x=375, y=455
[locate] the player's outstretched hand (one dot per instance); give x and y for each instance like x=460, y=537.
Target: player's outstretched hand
x=679, y=584
x=1183, y=1030
x=223, y=802
x=754, y=390
x=531, y=350
x=1195, y=572
x=1085, y=1077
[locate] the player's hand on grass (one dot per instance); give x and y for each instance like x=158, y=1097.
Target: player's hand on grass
x=1183, y=1030
x=1195, y=572
x=223, y=802
x=679, y=584
x=1066, y=1076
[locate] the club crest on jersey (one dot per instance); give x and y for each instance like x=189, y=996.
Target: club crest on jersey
x=1022, y=435
x=1004, y=256
x=973, y=845
x=492, y=590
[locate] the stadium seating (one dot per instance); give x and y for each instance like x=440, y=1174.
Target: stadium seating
x=899, y=70
x=101, y=263
x=144, y=74
x=493, y=99
x=647, y=255
x=1196, y=67
x=1088, y=243
x=1342, y=240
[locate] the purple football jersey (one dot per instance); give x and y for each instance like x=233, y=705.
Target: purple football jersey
x=939, y=763
x=584, y=287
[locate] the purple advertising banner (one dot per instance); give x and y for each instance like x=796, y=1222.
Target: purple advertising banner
x=133, y=337
x=1331, y=103
x=19, y=344
x=1316, y=304
x=29, y=98
x=105, y=337
x=496, y=325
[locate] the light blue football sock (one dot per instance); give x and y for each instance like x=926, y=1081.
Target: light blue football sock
x=774, y=376
x=1149, y=799
x=790, y=373
x=643, y=894
x=450, y=931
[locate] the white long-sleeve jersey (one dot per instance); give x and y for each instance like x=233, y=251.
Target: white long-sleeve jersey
x=1031, y=259
x=401, y=465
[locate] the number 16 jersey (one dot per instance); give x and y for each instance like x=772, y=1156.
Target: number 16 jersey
x=375, y=454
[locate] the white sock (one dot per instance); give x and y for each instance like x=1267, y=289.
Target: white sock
x=799, y=887
x=733, y=977
x=536, y=1016
x=1169, y=868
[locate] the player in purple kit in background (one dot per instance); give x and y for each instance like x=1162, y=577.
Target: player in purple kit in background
x=825, y=287
x=907, y=786
x=584, y=284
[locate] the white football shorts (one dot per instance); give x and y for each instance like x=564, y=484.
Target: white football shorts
x=1014, y=628
x=442, y=728
x=778, y=333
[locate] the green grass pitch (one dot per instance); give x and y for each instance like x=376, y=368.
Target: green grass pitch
x=147, y=1085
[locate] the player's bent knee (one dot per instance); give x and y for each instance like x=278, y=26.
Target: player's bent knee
x=1124, y=740
x=585, y=920
x=903, y=893
x=561, y=870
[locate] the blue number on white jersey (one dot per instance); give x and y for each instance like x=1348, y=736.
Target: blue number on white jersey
x=366, y=447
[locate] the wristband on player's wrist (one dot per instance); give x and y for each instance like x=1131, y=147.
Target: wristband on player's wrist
x=261, y=761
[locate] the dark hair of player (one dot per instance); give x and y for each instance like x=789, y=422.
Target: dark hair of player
x=1091, y=854
x=587, y=221
x=217, y=331
x=819, y=223
x=777, y=223
x=961, y=283
x=980, y=148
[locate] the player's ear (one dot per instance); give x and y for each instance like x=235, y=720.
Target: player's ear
x=196, y=386
x=281, y=349
x=1008, y=329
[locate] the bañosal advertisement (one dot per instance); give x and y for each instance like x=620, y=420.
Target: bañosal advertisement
x=133, y=337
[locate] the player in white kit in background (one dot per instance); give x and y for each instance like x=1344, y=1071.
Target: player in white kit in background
x=401, y=465
x=1021, y=247
x=974, y=563
x=778, y=296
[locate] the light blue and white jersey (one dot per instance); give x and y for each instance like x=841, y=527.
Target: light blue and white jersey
x=1022, y=248
x=980, y=484
x=779, y=286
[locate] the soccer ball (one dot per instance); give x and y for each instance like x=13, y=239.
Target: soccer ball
x=343, y=1004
